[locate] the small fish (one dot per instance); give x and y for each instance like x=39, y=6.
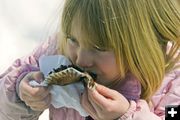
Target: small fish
x=65, y=75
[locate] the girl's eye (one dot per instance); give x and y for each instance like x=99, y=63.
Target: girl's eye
x=72, y=41
x=100, y=49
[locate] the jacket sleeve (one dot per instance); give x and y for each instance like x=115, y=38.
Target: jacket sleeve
x=11, y=105
x=168, y=94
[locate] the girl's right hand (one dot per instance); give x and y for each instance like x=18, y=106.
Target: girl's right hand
x=37, y=98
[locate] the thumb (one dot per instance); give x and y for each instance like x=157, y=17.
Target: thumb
x=37, y=76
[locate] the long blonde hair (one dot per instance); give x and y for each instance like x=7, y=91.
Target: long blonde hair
x=137, y=31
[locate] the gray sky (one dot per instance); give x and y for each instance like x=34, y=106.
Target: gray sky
x=23, y=24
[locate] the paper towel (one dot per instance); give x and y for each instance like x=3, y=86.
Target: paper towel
x=62, y=96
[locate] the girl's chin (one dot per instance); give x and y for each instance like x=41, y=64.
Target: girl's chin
x=102, y=81
x=105, y=82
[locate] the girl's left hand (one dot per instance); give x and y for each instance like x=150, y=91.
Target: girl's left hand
x=104, y=103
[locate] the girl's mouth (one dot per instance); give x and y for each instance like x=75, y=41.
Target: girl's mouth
x=92, y=74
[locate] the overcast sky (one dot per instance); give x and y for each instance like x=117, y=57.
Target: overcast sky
x=23, y=24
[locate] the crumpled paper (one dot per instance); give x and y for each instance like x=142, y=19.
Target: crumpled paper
x=62, y=96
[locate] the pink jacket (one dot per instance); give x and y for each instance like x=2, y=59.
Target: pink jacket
x=12, y=108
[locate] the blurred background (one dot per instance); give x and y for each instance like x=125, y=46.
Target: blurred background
x=23, y=25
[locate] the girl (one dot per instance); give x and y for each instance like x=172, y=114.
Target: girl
x=119, y=40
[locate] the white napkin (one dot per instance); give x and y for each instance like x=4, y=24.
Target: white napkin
x=62, y=96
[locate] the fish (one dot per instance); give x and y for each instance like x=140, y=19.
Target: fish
x=64, y=75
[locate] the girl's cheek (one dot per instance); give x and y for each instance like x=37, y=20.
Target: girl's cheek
x=72, y=53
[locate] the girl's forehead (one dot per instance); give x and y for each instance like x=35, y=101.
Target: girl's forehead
x=79, y=25
x=86, y=31
x=76, y=28
x=80, y=33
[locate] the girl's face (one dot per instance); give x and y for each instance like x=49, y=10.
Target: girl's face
x=98, y=61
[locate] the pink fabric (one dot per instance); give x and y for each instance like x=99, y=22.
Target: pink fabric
x=13, y=108
x=129, y=87
x=168, y=94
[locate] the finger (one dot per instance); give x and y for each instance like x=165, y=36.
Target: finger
x=87, y=105
x=32, y=91
x=26, y=88
x=35, y=92
x=98, y=107
x=34, y=98
x=38, y=76
x=38, y=108
x=40, y=94
x=106, y=92
x=100, y=99
x=42, y=103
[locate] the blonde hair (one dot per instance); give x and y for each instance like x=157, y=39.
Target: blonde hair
x=137, y=31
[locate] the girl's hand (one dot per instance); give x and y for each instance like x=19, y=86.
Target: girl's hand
x=104, y=103
x=37, y=98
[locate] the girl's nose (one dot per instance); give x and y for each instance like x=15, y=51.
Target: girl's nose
x=84, y=58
